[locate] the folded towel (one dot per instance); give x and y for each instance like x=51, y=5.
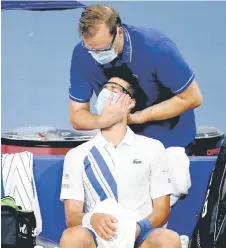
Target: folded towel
x=126, y=225
x=19, y=183
x=180, y=175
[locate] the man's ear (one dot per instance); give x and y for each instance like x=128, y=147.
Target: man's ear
x=120, y=32
x=132, y=104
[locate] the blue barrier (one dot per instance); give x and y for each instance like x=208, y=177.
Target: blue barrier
x=48, y=173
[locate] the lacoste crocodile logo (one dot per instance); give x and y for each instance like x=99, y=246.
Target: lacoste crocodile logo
x=137, y=161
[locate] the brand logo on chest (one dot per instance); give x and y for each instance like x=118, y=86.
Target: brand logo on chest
x=137, y=161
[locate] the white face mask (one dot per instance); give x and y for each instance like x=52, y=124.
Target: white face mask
x=105, y=56
x=103, y=99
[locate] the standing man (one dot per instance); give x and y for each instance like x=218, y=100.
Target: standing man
x=169, y=92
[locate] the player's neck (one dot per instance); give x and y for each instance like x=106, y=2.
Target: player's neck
x=115, y=133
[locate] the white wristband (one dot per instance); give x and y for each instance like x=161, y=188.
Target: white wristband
x=86, y=219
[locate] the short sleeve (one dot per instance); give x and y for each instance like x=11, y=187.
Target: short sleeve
x=160, y=180
x=72, y=183
x=80, y=89
x=171, y=68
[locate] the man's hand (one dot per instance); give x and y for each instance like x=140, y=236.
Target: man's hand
x=104, y=226
x=114, y=113
x=136, y=118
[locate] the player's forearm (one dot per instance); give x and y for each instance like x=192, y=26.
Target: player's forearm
x=159, y=217
x=166, y=110
x=74, y=219
x=85, y=120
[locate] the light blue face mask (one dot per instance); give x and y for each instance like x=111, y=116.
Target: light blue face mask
x=103, y=99
x=104, y=57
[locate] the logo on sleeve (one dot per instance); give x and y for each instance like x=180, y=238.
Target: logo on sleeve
x=66, y=176
x=65, y=186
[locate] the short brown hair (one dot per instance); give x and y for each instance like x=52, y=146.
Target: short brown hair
x=95, y=15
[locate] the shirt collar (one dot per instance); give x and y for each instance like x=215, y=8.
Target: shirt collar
x=127, y=48
x=128, y=139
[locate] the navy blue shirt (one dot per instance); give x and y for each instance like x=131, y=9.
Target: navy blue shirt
x=160, y=70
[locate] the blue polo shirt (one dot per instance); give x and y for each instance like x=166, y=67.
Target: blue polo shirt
x=161, y=71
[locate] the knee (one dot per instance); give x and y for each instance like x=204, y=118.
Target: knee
x=73, y=235
x=173, y=238
x=165, y=238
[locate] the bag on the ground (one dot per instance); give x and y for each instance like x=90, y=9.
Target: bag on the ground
x=210, y=230
x=18, y=227
x=8, y=222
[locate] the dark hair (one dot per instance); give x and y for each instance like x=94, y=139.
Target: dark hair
x=95, y=15
x=134, y=88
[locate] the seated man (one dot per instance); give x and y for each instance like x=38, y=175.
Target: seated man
x=117, y=164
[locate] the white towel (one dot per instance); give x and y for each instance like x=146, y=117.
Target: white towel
x=126, y=226
x=180, y=175
x=19, y=183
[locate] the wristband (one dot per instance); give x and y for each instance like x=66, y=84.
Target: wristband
x=145, y=230
x=86, y=223
x=86, y=219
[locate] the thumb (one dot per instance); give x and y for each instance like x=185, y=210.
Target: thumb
x=130, y=118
